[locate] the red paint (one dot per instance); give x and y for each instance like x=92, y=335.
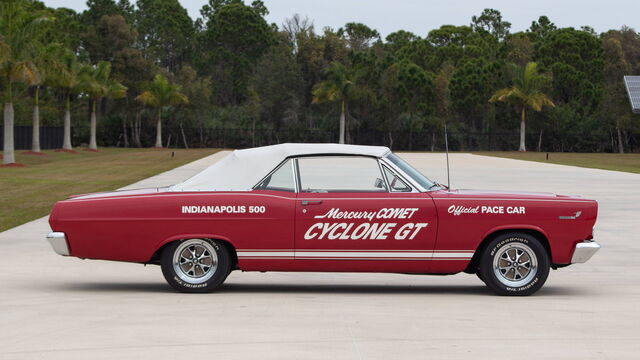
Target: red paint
x=133, y=225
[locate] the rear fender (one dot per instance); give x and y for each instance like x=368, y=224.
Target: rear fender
x=190, y=236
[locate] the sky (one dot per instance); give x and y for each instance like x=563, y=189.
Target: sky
x=421, y=16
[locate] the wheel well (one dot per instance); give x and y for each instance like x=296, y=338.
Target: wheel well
x=473, y=264
x=155, y=258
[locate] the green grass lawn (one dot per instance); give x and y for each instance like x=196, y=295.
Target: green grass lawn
x=618, y=162
x=29, y=192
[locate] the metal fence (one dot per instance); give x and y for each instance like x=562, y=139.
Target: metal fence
x=397, y=140
x=173, y=136
x=50, y=137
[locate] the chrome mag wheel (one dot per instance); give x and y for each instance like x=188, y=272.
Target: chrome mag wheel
x=515, y=264
x=195, y=261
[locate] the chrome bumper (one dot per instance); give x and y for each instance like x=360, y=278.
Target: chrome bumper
x=58, y=241
x=584, y=251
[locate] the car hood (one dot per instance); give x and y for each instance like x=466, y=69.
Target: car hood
x=119, y=193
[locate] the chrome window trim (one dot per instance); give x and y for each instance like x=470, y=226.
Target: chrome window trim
x=384, y=178
x=296, y=174
x=295, y=184
x=383, y=161
x=377, y=160
x=413, y=189
x=409, y=180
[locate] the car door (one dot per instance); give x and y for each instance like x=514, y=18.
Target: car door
x=349, y=218
x=265, y=241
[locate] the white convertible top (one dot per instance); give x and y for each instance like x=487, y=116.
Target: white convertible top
x=243, y=169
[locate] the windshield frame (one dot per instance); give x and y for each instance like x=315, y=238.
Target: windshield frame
x=417, y=179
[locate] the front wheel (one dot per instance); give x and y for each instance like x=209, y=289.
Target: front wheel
x=514, y=264
x=195, y=265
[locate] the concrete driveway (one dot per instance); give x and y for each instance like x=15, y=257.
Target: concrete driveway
x=65, y=308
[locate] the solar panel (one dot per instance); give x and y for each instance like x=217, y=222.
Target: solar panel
x=633, y=90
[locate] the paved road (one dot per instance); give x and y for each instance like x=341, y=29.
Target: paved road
x=64, y=308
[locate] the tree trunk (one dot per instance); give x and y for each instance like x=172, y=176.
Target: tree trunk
x=390, y=139
x=136, y=129
x=66, y=142
x=184, y=137
x=522, y=132
x=35, y=134
x=8, y=154
x=93, y=145
x=540, y=141
x=124, y=132
x=433, y=141
x=342, y=125
x=159, y=130
x=620, y=146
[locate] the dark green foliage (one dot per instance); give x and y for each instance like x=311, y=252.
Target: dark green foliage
x=165, y=32
x=235, y=38
x=96, y=9
x=359, y=36
x=251, y=83
x=490, y=21
x=472, y=84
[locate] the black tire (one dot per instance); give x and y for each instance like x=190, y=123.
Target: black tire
x=202, y=273
x=514, y=264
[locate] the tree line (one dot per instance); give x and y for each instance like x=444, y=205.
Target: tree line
x=116, y=72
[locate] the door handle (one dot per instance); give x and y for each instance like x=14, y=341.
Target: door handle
x=311, y=202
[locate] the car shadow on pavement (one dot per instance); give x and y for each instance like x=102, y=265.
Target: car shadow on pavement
x=114, y=287
x=315, y=289
x=281, y=288
x=354, y=289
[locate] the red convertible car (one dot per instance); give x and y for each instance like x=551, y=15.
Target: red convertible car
x=327, y=207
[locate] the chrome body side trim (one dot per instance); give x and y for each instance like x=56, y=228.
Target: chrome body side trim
x=584, y=251
x=573, y=217
x=58, y=241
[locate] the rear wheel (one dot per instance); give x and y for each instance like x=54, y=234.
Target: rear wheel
x=195, y=265
x=514, y=264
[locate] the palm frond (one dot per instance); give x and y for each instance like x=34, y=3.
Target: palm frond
x=148, y=98
x=161, y=92
x=527, y=90
x=26, y=72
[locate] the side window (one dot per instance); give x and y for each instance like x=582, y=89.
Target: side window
x=395, y=182
x=279, y=180
x=340, y=174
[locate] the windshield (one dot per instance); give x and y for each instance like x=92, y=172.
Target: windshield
x=409, y=170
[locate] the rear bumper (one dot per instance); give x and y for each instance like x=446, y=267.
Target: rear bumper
x=584, y=251
x=58, y=241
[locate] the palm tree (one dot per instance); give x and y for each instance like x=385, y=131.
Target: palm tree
x=66, y=79
x=526, y=92
x=95, y=81
x=340, y=85
x=19, y=30
x=161, y=93
x=47, y=64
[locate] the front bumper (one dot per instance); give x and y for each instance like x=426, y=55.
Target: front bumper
x=58, y=241
x=584, y=251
